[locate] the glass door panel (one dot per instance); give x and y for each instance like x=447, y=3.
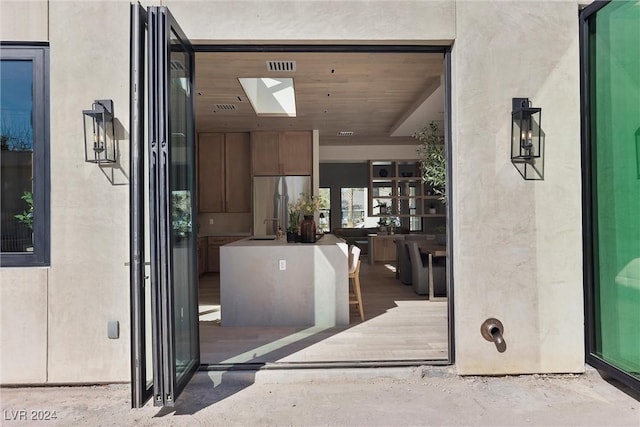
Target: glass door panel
x=142, y=375
x=615, y=150
x=171, y=174
x=182, y=185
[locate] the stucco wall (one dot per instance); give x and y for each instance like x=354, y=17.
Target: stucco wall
x=315, y=21
x=517, y=253
x=54, y=320
x=89, y=281
x=517, y=244
x=24, y=20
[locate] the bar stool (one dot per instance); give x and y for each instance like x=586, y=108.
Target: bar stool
x=355, y=295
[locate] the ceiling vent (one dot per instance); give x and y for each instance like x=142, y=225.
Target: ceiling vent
x=226, y=107
x=281, y=65
x=345, y=133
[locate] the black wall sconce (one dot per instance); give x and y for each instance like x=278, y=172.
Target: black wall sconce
x=527, y=139
x=99, y=133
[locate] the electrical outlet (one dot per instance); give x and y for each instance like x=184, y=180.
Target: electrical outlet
x=210, y=221
x=282, y=264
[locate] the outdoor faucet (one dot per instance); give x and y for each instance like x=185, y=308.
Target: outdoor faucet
x=492, y=330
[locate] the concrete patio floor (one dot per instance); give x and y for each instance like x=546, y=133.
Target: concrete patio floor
x=345, y=397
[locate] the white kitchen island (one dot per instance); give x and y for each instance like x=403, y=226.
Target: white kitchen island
x=275, y=283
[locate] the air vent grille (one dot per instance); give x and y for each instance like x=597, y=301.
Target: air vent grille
x=345, y=133
x=226, y=107
x=281, y=65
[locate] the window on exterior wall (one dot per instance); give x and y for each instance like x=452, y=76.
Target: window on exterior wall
x=24, y=156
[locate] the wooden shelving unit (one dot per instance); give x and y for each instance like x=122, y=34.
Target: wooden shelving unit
x=398, y=183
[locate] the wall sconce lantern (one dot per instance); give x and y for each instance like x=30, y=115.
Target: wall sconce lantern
x=527, y=139
x=99, y=133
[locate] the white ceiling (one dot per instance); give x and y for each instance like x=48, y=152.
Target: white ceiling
x=374, y=95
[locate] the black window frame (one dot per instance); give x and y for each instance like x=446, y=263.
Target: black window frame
x=38, y=53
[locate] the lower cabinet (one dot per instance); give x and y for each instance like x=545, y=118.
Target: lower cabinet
x=213, y=250
x=382, y=248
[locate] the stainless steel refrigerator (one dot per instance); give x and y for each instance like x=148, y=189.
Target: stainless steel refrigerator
x=271, y=198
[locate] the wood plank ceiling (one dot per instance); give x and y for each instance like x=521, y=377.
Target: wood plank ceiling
x=364, y=93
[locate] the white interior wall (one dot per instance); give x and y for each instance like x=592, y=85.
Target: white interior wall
x=354, y=153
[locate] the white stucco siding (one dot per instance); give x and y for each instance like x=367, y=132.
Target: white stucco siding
x=518, y=254
x=24, y=20
x=89, y=281
x=429, y=22
x=517, y=244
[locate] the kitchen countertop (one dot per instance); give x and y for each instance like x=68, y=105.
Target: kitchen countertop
x=228, y=234
x=327, y=239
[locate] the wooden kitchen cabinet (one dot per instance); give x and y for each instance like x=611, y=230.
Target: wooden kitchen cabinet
x=264, y=153
x=211, y=172
x=295, y=152
x=237, y=159
x=224, y=175
x=383, y=248
x=281, y=153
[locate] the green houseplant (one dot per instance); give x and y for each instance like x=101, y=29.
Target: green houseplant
x=433, y=164
x=26, y=217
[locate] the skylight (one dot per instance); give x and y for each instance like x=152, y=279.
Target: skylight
x=271, y=96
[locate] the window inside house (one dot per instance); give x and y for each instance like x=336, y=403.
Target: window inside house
x=24, y=168
x=325, y=210
x=355, y=208
x=353, y=202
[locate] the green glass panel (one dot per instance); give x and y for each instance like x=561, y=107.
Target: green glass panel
x=615, y=118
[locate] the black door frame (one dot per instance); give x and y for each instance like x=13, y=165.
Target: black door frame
x=158, y=24
x=375, y=48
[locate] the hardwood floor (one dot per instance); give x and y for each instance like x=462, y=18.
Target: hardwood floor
x=399, y=326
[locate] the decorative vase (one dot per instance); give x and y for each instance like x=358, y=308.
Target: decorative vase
x=308, y=230
x=292, y=236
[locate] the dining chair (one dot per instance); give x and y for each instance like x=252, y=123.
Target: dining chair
x=403, y=264
x=419, y=269
x=355, y=295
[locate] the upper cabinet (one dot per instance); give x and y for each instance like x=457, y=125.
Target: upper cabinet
x=237, y=158
x=281, y=153
x=224, y=172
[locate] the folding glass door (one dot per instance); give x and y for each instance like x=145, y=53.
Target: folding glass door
x=164, y=301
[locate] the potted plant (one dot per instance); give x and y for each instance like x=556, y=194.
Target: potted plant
x=383, y=206
x=383, y=223
x=294, y=223
x=433, y=163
